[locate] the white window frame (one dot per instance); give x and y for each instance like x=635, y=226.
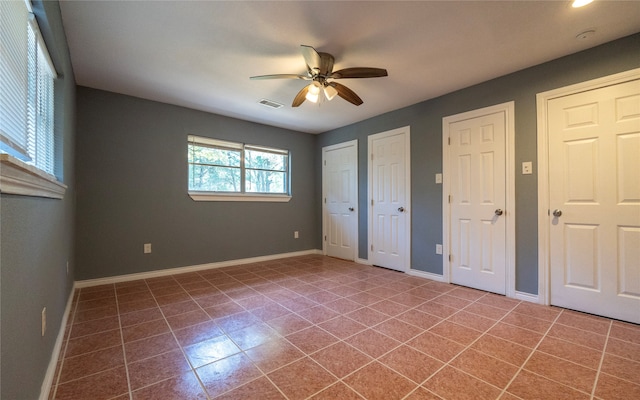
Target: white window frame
x=24, y=177
x=243, y=195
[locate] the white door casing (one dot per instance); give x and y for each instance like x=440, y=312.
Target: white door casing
x=479, y=199
x=340, y=200
x=590, y=248
x=389, y=199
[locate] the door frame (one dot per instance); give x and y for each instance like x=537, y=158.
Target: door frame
x=510, y=195
x=542, y=100
x=407, y=246
x=354, y=145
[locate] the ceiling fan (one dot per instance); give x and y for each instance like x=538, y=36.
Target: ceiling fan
x=320, y=73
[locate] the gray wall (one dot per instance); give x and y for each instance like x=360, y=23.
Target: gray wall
x=425, y=120
x=37, y=240
x=132, y=189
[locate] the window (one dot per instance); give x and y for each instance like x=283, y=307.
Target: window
x=221, y=170
x=27, y=96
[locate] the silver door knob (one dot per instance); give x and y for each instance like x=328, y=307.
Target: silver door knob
x=351, y=208
x=401, y=209
x=499, y=212
x=557, y=213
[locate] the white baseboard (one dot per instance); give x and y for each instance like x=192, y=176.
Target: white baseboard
x=532, y=298
x=192, y=268
x=53, y=362
x=427, y=275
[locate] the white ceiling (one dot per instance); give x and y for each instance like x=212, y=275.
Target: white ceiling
x=201, y=54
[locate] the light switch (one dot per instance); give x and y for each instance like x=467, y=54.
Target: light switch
x=438, y=178
x=527, y=168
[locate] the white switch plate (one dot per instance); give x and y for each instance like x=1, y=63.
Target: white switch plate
x=296, y=234
x=527, y=168
x=147, y=248
x=438, y=178
x=438, y=249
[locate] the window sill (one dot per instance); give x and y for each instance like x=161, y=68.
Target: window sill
x=16, y=177
x=209, y=196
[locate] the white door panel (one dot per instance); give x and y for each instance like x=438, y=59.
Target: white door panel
x=594, y=181
x=389, y=199
x=340, y=200
x=477, y=224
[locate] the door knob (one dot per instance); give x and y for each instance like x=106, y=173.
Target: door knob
x=351, y=208
x=557, y=213
x=401, y=209
x=499, y=212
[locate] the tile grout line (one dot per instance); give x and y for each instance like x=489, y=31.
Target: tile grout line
x=124, y=350
x=376, y=359
x=340, y=340
x=423, y=330
x=339, y=380
x=242, y=351
x=535, y=348
x=448, y=363
x=193, y=370
x=599, y=370
x=66, y=344
x=292, y=279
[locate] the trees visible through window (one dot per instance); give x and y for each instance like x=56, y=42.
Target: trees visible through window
x=227, y=167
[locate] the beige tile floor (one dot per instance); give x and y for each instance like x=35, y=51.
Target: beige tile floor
x=314, y=327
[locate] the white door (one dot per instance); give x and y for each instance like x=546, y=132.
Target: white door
x=477, y=188
x=594, y=200
x=389, y=199
x=340, y=200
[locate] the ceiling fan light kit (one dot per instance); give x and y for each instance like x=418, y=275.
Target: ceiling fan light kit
x=313, y=91
x=320, y=73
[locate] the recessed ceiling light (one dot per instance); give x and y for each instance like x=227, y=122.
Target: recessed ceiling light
x=270, y=103
x=586, y=34
x=580, y=3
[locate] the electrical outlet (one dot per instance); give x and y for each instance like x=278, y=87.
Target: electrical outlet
x=296, y=235
x=438, y=249
x=438, y=178
x=44, y=320
x=527, y=168
x=147, y=248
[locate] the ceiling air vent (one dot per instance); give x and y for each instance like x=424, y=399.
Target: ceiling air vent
x=270, y=103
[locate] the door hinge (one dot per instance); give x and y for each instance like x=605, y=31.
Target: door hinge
x=372, y=156
x=371, y=247
x=325, y=163
x=371, y=201
x=450, y=198
x=325, y=200
x=449, y=140
x=325, y=238
x=450, y=258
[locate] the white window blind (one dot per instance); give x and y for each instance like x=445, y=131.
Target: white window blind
x=13, y=75
x=27, y=96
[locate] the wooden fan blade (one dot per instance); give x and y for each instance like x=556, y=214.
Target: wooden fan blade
x=311, y=57
x=300, y=97
x=281, y=76
x=359, y=72
x=326, y=63
x=347, y=94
